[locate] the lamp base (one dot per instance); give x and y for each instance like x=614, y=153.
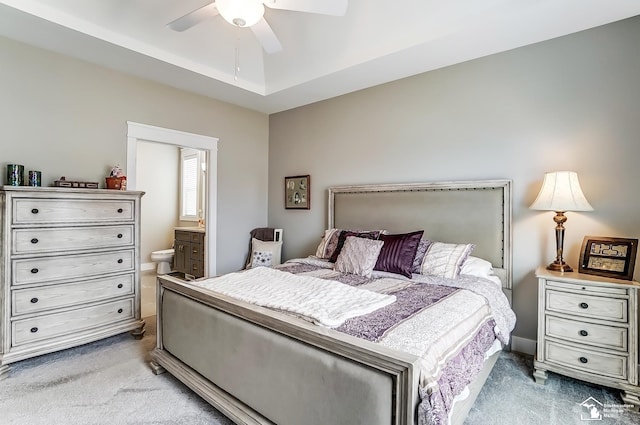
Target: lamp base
x=559, y=267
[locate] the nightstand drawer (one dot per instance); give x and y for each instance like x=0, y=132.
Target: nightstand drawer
x=594, y=307
x=587, y=333
x=611, y=365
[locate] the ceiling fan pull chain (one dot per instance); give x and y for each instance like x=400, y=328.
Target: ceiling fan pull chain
x=236, y=67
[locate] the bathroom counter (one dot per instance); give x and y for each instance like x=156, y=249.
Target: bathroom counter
x=190, y=229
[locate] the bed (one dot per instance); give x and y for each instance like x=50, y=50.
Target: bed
x=258, y=365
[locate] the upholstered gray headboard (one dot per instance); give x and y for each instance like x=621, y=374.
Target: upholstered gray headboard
x=476, y=212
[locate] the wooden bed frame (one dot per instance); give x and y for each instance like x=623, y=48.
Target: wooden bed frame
x=219, y=346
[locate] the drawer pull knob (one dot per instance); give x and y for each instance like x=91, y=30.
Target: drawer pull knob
x=34, y=330
x=34, y=240
x=584, y=333
x=583, y=360
x=34, y=211
x=120, y=210
x=119, y=285
x=34, y=300
x=119, y=310
x=584, y=305
x=119, y=235
x=119, y=260
x=34, y=270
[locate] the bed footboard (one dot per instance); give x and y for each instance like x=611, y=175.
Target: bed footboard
x=261, y=367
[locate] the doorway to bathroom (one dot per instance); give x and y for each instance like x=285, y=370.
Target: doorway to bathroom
x=153, y=155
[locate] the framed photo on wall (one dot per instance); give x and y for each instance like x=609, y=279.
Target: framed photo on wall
x=297, y=191
x=608, y=257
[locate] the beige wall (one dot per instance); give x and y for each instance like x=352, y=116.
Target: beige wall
x=157, y=174
x=571, y=103
x=68, y=117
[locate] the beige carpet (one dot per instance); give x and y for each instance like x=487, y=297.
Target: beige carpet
x=106, y=382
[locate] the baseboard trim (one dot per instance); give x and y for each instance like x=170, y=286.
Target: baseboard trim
x=523, y=345
x=147, y=266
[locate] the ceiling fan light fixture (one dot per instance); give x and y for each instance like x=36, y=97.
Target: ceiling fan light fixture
x=241, y=13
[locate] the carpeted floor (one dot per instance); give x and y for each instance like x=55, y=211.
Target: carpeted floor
x=110, y=382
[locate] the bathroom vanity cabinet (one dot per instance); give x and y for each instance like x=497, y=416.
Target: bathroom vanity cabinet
x=70, y=271
x=189, y=251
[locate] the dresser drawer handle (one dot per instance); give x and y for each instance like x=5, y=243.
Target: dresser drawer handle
x=34, y=300
x=584, y=305
x=34, y=240
x=34, y=211
x=120, y=210
x=119, y=285
x=120, y=310
x=119, y=235
x=120, y=260
x=584, y=333
x=583, y=360
x=34, y=270
x=34, y=330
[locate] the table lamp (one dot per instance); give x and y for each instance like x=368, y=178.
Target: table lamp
x=560, y=192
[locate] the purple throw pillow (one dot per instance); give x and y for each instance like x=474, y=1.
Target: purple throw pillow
x=343, y=237
x=398, y=252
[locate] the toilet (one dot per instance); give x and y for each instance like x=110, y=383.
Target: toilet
x=164, y=258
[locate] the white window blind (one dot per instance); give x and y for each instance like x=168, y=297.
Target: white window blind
x=190, y=184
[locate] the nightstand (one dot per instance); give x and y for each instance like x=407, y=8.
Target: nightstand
x=588, y=329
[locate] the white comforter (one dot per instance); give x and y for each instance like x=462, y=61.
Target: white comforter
x=325, y=302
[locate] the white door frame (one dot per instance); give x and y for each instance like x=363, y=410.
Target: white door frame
x=142, y=132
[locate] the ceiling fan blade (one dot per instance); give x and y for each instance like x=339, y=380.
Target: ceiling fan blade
x=266, y=36
x=325, y=7
x=194, y=18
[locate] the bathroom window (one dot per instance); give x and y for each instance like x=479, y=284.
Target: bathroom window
x=192, y=182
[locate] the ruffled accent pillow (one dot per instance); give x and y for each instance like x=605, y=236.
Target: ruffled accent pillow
x=445, y=259
x=398, y=252
x=423, y=246
x=328, y=243
x=346, y=233
x=358, y=256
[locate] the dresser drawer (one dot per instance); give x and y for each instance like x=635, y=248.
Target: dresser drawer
x=595, y=307
x=613, y=337
x=39, y=211
x=52, y=325
x=47, y=269
x=32, y=241
x=33, y=300
x=611, y=365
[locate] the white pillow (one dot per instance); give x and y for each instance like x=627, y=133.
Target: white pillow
x=475, y=266
x=266, y=246
x=445, y=259
x=358, y=256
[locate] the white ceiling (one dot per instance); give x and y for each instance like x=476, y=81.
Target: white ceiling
x=323, y=56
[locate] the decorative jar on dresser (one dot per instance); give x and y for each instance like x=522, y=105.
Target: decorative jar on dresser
x=70, y=270
x=588, y=329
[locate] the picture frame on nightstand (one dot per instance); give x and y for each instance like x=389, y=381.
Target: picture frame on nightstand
x=608, y=257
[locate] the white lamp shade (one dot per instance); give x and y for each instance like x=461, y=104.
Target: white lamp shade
x=242, y=13
x=561, y=192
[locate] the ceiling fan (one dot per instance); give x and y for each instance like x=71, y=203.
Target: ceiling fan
x=250, y=13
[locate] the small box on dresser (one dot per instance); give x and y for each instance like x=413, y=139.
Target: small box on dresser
x=69, y=270
x=588, y=330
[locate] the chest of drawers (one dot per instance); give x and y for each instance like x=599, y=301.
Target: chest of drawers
x=70, y=269
x=588, y=329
